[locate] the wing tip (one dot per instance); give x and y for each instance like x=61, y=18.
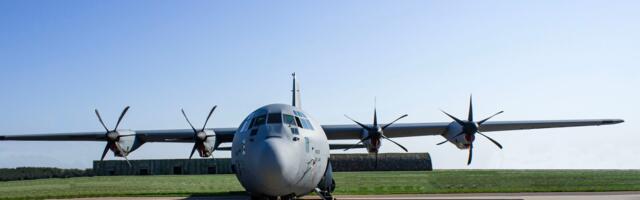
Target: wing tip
x=612, y=121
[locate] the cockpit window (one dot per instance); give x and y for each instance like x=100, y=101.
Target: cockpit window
x=290, y=120
x=274, y=118
x=259, y=120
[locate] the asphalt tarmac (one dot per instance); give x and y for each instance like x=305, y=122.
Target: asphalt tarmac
x=500, y=196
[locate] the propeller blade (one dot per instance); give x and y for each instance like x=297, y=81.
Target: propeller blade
x=442, y=142
x=355, y=145
x=470, y=118
x=454, y=118
x=361, y=125
x=492, y=140
x=195, y=146
x=375, y=115
x=459, y=134
x=394, y=121
x=104, y=153
x=101, y=122
x=187, y=118
x=124, y=154
x=121, y=116
x=209, y=116
x=484, y=120
x=403, y=148
x=361, y=141
x=127, y=159
x=470, y=154
x=366, y=138
x=376, y=165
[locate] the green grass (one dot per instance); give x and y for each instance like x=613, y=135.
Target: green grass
x=439, y=181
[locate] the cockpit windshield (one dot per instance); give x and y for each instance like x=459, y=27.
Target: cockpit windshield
x=289, y=120
x=274, y=118
x=258, y=119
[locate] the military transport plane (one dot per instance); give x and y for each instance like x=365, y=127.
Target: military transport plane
x=279, y=151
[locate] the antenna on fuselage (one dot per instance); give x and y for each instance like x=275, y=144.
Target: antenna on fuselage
x=295, y=101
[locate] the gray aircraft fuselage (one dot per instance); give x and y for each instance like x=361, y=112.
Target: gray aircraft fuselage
x=278, y=156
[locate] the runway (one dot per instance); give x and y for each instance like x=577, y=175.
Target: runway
x=484, y=196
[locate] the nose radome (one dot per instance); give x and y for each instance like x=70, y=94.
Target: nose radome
x=277, y=164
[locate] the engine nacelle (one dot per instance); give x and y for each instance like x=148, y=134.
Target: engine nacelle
x=461, y=141
x=128, y=141
x=209, y=145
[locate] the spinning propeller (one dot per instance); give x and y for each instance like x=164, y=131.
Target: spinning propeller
x=470, y=128
x=199, y=136
x=113, y=137
x=376, y=132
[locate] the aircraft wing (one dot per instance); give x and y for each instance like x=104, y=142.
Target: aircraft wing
x=340, y=132
x=346, y=146
x=334, y=132
x=177, y=135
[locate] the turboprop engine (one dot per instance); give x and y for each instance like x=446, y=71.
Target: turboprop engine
x=460, y=141
x=462, y=133
x=120, y=142
x=204, y=140
x=372, y=135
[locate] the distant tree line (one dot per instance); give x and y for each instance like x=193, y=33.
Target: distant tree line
x=30, y=173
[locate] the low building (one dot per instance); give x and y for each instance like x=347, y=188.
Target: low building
x=340, y=162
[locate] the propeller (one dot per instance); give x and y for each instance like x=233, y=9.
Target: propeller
x=112, y=136
x=376, y=132
x=470, y=128
x=199, y=136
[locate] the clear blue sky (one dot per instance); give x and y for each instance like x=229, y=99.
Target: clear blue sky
x=534, y=59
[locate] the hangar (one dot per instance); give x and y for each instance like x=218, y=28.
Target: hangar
x=340, y=162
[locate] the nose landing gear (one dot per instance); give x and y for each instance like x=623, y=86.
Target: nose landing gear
x=327, y=185
x=325, y=195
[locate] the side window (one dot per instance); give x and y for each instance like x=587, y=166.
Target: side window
x=290, y=120
x=274, y=118
x=307, y=124
x=244, y=124
x=251, y=123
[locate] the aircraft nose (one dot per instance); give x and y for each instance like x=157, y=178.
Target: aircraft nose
x=276, y=164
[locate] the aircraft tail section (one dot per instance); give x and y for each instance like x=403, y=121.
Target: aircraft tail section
x=295, y=102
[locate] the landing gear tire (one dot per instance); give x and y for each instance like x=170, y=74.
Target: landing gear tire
x=327, y=197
